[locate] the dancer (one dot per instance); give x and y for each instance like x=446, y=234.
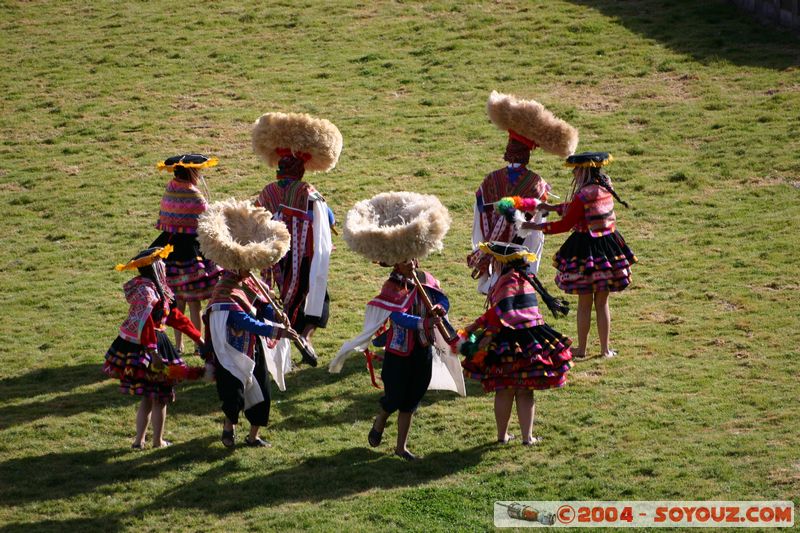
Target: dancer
x=409, y=315
x=510, y=348
x=240, y=316
x=594, y=260
x=190, y=276
x=296, y=143
x=529, y=125
x=138, y=355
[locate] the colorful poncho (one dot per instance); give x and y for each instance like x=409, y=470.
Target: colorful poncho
x=181, y=206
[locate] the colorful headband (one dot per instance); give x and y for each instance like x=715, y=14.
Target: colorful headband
x=589, y=159
x=147, y=260
x=187, y=161
x=507, y=252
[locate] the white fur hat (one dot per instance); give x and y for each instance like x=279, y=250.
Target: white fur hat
x=395, y=227
x=315, y=140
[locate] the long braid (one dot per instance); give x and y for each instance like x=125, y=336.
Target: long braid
x=602, y=179
x=557, y=306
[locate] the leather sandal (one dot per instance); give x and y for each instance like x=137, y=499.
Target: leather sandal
x=257, y=442
x=228, y=438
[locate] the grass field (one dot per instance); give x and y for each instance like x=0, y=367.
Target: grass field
x=699, y=104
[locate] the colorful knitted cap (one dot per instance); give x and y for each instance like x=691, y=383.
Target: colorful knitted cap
x=506, y=252
x=589, y=159
x=187, y=161
x=145, y=258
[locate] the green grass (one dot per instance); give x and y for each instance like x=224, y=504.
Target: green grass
x=700, y=106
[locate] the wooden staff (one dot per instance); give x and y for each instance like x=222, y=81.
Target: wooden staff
x=306, y=350
x=444, y=327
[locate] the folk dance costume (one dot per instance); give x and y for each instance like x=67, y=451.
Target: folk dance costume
x=397, y=321
x=595, y=258
x=190, y=276
x=409, y=313
x=522, y=350
x=240, y=321
x=510, y=348
x=295, y=143
x=529, y=125
x=241, y=327
x=141, y=336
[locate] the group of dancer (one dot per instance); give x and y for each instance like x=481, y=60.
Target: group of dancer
x=263, y=299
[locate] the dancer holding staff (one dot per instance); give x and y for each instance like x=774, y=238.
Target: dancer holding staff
x=295, y=143
x=241, y=324
x=397, y=229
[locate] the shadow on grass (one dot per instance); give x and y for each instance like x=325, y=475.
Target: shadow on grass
x=50, y=380
x=62, y=475
x=347, y=472
x=350, y=471
x=706, y=31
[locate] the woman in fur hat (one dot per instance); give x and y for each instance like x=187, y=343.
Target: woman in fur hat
x=297, y=143
x=595, y=260
x=510, y=348
x=529, y=125
x=139, y=355
x=190, y=276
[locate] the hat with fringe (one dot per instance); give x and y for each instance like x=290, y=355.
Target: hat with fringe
x=532, y=124
x=589, y=159
x=395, y=227
x=145, y=258
x=506, y=252
x=187, y=161
x=315, y=140
x=239, y=236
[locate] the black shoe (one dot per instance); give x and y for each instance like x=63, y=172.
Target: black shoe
x=374, y=438
x=258, y=442
x=228, y=438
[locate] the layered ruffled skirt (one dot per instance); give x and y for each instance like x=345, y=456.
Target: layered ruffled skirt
x=190, y=275
x=131, y=364
x=533, y=358
x=587, y=264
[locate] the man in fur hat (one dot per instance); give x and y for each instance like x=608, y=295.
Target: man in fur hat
x=529, y=125
x=296, y=143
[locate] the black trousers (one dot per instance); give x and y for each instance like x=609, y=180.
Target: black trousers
x=231, y=393
x=405, y=379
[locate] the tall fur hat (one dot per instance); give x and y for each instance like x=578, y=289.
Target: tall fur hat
x=394, y=227
x=315, y=140
x=239, y=236
x=533, y=122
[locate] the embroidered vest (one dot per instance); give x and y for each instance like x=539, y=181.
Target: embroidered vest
x=598, y=211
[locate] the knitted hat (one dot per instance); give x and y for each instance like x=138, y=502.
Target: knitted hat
x=316, y=141
x=589, y=159
x=145, y=258
x=530, y=123
x=187, y=161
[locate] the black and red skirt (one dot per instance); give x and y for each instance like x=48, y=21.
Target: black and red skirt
x=587, y=264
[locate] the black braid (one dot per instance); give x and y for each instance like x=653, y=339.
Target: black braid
x=601, y=178
x=557, y=306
